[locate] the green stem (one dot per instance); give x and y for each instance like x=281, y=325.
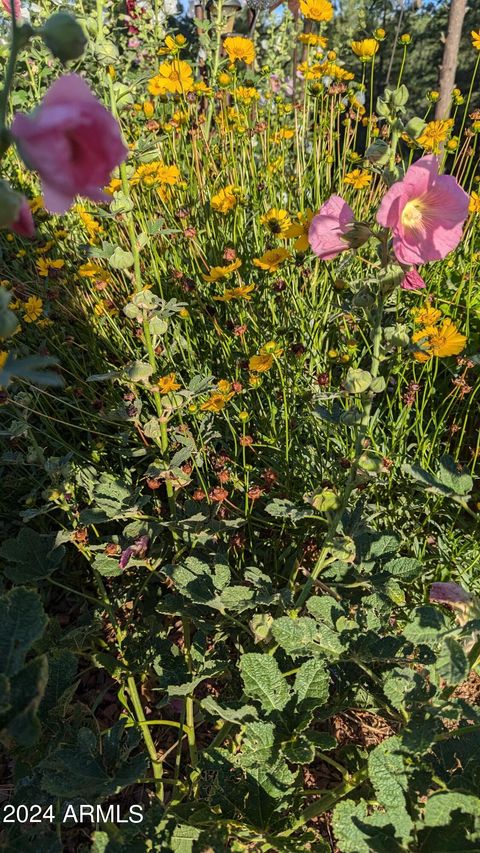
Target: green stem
x=361, y=434
x=10, y=70
x=326, y=802
x=157, y=768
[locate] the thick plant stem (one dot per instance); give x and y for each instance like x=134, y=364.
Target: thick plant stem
x=349, y=486
x=157, y=769
x=138, y=282
x=10, y=71
x=326, y=802
x=189, y=708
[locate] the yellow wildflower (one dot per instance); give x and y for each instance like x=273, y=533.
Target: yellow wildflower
x=434, y=134
x=277, y=221
x=36, y=204
x=148, y=109
x=313, y=40
x=33, y=309
x=317, y=10
x=174, y=77
x=358, y=179
x=92, y=270
x=154, y=173
x=260, y=363
x=92, y=226
x=113, y=187
x=3, y=357
x=475, y=39
x=246, y=94
x=222, y=272
x=272, y=259
x=365, y=49
x=241, y=292
x=474, y=206
x=226, y=199
x=299, y=230
x=44, y=265
x=426, y=316
x=241, y=49
x=216, y=402
x=168, y=383
x=440, y=341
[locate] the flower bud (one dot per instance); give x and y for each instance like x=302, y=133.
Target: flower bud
x=15, y=212
x=64, y=36
x=357, y=234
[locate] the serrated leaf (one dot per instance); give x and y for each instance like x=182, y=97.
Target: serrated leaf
x=312, y=685
x=263, y=681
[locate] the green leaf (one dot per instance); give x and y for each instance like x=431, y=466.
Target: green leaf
x=357, y=381
x=312, y=685
x=121, y=260
x=22, y=622
x=90, y=769
x=295, y=636
x=406, y=568
x=439, y=807
x=27, y=688
x=453, y=476
x=452, y=664
x=34, y=556
x=425, y=625
x=263, y=681
x=243, y=714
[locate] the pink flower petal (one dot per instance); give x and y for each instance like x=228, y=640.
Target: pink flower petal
x=328, y=227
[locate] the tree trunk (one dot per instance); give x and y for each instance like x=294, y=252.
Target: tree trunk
x=448, y=67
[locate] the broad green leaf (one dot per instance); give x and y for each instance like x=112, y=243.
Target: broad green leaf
x=34, y=555
x=452, y=664
x=406, y=568
x=22, y=622
x=296, y=636
x=312, y=683
x=263, y=681
x=439, y=807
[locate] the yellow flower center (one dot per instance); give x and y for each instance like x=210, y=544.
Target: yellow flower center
x=412, y=214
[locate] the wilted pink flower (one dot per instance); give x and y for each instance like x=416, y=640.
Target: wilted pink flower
x=24, y=224
x=412, y=280
x=448, y=593
x=138, y=549
x=329, y=227
x=426, y=212
x=72, y=141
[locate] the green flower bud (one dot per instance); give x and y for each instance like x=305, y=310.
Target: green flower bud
x=10, y=203
x=64, y=36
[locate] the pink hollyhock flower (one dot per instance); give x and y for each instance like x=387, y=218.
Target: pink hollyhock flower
x=17, y=9
x=72, y=141
x=412, y=280
x=425, y=212
x=23, y=223
x=328, y=228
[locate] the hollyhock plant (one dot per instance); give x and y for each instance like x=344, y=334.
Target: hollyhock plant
x=72, y=141
x=328, y=229
x=412, y=280
x=425, y=212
